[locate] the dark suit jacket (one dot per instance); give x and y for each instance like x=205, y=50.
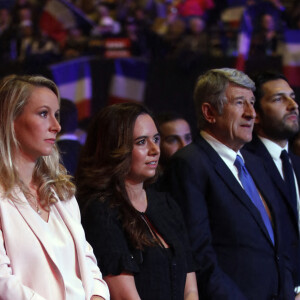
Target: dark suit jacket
x=288, y=208
x=236, y=256
x=69, y=151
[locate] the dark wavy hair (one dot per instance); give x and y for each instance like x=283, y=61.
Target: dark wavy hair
x=104, y=163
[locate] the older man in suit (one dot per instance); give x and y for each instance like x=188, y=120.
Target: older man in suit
x=227, y=199
x=277, y=120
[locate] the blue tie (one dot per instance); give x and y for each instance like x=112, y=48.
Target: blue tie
x=253, y=194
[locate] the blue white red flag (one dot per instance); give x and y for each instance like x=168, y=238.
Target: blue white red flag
x=291, y=57
x=74, y=82
x=129, y=80
x=60, y=15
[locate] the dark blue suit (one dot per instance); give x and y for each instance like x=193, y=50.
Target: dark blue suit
x=288, y=208
x=69, y=151
x=236, y=257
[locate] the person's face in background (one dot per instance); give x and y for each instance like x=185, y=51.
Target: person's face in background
x=267, y=23
x=278, y=115
x=37, y=126
x=174, y=136
x=146, y=152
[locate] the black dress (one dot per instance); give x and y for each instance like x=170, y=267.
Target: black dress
x=159, y=273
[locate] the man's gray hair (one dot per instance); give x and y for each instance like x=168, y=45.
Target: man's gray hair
x=211, y=88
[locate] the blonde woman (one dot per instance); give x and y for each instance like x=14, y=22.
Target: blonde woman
x=43, y=250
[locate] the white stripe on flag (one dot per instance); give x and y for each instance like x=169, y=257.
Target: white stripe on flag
x=127, y=88
x=291, y=55
x=77, y=90
x=62, y=13
x=244, y=43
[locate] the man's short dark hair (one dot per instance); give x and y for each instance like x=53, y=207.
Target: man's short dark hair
x=260, y=79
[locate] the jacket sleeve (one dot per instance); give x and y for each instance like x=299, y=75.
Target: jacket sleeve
x=100, y=287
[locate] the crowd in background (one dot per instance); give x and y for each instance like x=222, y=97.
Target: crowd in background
x=179, y=29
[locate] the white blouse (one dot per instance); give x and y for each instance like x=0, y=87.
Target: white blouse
x=61, y=243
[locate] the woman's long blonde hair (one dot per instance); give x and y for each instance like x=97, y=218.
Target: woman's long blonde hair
x=48, y=175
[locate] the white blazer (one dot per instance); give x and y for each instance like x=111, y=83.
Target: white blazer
x=28, y=268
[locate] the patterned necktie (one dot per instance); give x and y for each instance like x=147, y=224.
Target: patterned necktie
x=289, y=176
x=253, y=194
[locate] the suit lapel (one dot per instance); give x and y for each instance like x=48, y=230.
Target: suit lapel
x=75, y=229
x=258, y=148
x=36, y=224
x=226, y=175
x=39, y=228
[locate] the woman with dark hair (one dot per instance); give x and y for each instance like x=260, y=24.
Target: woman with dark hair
x=138, y=234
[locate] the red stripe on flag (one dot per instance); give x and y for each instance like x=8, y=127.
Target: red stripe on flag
x=292, y=73
x=240, y=63
x=53, y=27
x=84, y=109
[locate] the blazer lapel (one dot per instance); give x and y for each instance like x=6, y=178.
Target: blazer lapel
x=258, y=148
x=36, y=224
x=231, y=182
x=77, y=234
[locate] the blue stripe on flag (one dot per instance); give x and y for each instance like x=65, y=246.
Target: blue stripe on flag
x=71, y=71
x=131, y=68
x=292, y=36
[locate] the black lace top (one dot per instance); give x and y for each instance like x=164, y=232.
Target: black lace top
x=159, y=272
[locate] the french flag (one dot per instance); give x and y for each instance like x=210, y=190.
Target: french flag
x=60, y=15
x=73, y=78
x=244, y=40
x=129, y=80
x=291, y=57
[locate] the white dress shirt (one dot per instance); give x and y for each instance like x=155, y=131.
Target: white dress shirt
x=227, y=154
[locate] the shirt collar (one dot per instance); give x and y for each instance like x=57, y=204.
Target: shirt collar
x=273, y=148
x=226, y=153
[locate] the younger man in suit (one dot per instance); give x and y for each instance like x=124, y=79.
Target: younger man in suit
x=277, y=120
x=175, y=133
x=230, y=207
x=68, y=142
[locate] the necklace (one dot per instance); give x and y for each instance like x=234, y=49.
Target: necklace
x=33, y=198
x=35, y=203
x=37, y=208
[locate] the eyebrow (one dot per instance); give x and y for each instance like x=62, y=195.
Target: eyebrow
x=243, y=98
x=48, y=107
x=284, y=93
x=145, y=136
x=175, y=135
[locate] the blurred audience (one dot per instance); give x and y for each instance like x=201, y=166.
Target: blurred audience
x=295, y=144
x=266, y=39
x=196, y=42
x=155, y=28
